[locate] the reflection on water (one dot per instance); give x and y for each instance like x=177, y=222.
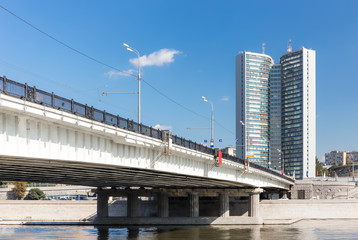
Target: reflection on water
x=313, y=229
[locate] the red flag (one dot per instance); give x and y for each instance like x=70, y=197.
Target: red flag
x=220, y=157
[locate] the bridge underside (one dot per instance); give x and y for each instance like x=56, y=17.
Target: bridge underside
x=99, y=175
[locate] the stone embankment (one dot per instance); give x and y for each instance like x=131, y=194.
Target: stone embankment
x=84, y=212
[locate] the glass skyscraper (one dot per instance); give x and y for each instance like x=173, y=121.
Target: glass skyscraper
x=299, y=112
x=276, y=111
x=252, y=106
x=275, y=117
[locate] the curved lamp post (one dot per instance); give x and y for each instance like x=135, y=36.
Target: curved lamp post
x=212, y=121
x=131, y=49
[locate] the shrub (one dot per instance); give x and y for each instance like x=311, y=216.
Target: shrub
x=36, y=194
x=20, y=189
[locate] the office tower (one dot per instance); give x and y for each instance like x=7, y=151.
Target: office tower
x=252, y=106
x=298, y=69
x=275, y=157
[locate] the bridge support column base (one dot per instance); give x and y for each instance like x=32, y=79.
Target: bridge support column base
x=132, y=204
x=254, y=202
x=224, y=206
x=163, y=204
x=102, y=204
x=193, y=204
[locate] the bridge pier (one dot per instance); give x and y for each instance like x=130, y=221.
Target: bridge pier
x=254, y=202
x=224, y=205
x=163, y=204
x=102, y=204
x=193, y=204
x=132, y=204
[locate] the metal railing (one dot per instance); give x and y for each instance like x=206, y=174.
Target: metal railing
x=23, y=91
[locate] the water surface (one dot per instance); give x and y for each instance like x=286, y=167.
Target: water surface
x=310, y=229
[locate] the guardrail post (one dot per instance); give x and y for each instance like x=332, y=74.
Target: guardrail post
x=4, y=83
x=104, y=116
x=53, y=100
x=150, y=131
x=86, y=111
x=118, y=119
x=72, y=106
x=92, y=113
x=34, y=95
x=26, y=91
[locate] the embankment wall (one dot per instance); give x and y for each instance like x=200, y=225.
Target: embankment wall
x=309, y=209
x=86, y=210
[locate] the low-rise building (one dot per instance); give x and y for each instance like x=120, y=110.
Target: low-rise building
x=230, y=151
x=341, y=158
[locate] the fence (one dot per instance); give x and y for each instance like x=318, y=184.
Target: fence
x=23, y=91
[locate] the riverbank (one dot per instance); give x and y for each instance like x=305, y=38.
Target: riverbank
x=272, y=212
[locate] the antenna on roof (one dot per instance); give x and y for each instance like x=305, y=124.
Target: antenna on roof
x=263, y=48
x=289, y=48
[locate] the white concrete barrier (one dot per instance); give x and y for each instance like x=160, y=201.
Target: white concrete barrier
x=309, y=209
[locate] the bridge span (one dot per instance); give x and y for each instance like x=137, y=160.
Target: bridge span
x=47, y=138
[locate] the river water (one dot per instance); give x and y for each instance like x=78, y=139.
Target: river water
x=308, y=229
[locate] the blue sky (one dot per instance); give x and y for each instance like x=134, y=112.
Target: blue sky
x=189, y=50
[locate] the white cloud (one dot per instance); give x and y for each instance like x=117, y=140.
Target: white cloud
x=115, y=74
x=158, y=58
x=162, y=127
x=225, y=98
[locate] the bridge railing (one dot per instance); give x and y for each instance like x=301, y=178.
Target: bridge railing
x=23, y=91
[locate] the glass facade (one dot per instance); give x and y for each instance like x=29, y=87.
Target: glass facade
x=275, y=117
x=252, y=86
x=292, y=112
x=276, y=111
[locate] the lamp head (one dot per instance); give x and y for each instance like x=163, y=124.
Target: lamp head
x=204, y=98
x=126, y=45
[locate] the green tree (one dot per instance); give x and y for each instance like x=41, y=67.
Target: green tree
x=20, y=190
x=320, y=168
x=36, y=194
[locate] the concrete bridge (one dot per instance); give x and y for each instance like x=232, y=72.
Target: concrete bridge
x=47, y=138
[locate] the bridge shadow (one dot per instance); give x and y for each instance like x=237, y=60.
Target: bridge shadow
x=180, y=232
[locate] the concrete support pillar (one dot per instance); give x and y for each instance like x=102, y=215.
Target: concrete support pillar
x=163, y=204
x=132, y=204
x=254, y=202
x=193, y=204
x=284, y=195
x=102, y=205
x=224, y=205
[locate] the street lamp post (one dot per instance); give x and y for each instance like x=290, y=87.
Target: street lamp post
x=212, y=121
x=131, y=49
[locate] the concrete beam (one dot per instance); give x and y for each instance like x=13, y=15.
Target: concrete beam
x=179, y=192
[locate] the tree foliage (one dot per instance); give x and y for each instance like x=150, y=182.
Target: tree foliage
x=36, y=194
x=20, y=190
x=320, y=168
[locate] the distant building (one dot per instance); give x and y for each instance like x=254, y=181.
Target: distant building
x=340, y=158
x=298, y=69
x=230, y=151
x=335, y=157
x=275, y=117
x=252, y=106
x=276, y=111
